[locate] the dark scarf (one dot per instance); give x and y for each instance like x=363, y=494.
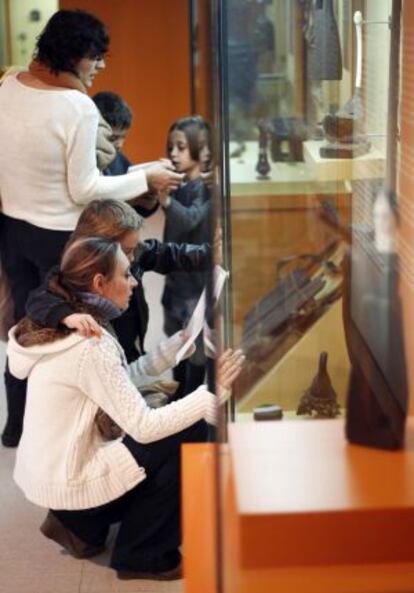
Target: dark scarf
x=106, y=309
x=30, y=333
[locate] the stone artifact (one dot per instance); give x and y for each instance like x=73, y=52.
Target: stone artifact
x=268, y=412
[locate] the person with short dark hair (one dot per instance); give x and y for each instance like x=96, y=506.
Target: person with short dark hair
x=114, y=109
x=86, y=37
x=118, y=115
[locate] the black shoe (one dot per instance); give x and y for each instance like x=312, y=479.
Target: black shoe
x=168, y=575
x=11, y=434
x=53, y=529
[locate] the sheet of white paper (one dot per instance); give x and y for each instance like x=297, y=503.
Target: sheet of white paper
x=194, y=327
x=196, y=323
x=142, y=166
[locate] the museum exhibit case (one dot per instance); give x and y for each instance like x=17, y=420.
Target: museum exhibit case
x=313, y=188
x=307, y=108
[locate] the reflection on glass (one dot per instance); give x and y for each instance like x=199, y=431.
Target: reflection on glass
x=377, y=400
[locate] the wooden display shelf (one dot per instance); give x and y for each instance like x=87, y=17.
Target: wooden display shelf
x=297, y=178
x=368, y=166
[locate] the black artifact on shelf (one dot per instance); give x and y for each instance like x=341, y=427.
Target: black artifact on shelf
x=263, y=166
x=320, y=397
x=267, y=412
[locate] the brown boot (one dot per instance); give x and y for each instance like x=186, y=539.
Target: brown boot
x=168, y=575
x=53, y=529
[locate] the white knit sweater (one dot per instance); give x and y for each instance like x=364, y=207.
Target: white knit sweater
x=62, y=461
x=48, y=167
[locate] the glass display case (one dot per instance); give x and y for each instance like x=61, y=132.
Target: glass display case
x=306, y=109
x=313, y=109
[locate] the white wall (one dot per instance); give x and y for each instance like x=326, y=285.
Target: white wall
x=23, y=30
x=3, y=39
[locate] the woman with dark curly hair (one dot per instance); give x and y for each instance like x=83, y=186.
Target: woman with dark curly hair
x=89, y=39
x=48, y=162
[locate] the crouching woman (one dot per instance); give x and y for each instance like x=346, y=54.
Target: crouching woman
x=63, y=462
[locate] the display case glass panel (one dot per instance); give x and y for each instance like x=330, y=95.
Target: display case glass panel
x=309, y=100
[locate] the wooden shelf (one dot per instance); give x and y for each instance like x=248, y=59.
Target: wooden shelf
x=284, y=178
x=368, y=166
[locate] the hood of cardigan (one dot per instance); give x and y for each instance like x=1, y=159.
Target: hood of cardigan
x=22, y=359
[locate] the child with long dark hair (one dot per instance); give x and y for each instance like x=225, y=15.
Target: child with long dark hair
x=187, y=219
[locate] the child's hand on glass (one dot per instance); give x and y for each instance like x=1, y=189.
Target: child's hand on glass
x=85, y=324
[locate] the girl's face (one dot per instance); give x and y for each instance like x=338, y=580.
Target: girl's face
x=119, y=288
x=128, y=244
x=88, y=68
x=179, y=153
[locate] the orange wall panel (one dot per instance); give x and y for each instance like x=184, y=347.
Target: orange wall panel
x=203, y=82
x=199, y=516
x=148, y=64
x=406, y=184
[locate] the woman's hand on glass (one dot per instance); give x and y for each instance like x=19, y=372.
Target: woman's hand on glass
x=84, y=323
x=229, y=366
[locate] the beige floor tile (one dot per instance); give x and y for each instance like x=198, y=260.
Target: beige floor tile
x=149, y=587
x=99, y=579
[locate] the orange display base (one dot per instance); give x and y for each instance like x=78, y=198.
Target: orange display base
x=305, y=497
x=300, y=511
x=199, y=516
